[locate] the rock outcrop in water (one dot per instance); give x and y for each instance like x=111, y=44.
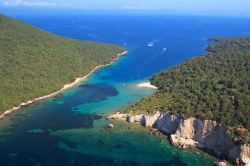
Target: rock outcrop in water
x=207, y=135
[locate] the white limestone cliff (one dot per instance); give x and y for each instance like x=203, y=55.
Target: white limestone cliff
x=192, y=132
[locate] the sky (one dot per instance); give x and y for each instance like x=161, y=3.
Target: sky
x=212, y=7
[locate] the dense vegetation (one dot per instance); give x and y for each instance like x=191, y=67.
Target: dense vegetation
x=34, y=63
x=213, y=86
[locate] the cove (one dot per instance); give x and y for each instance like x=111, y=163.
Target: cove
x=69, y=129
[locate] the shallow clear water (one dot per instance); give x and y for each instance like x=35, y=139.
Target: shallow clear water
x=69, y=129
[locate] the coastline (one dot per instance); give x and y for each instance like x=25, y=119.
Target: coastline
x=65, y=87
x=206, y=135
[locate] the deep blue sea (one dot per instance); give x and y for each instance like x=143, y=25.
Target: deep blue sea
x=69, y=129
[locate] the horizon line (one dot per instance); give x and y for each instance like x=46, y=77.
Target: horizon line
x=24, y=10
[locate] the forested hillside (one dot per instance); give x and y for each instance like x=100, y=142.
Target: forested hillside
x=213, y=86
x=34, y=63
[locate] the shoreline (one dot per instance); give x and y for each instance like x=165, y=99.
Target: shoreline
x=146, y=85
x=206, y=135
x=65, y=87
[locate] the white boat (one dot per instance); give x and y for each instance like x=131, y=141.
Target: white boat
x=150, y=44
x=164, y=50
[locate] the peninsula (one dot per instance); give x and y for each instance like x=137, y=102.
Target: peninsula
x=203, y=102
x=35, y=64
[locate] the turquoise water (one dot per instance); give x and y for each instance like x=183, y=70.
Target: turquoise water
x=69, y=129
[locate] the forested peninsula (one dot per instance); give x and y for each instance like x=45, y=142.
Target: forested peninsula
x=203, y=102
x=35, y=63
x=214, y=86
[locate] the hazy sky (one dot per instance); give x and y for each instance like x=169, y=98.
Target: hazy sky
x=221, y=7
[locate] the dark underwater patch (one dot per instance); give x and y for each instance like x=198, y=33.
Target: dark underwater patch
x=96, y=92
x=53, y=117
x=62, y=120
x=88, y=93
x=117, y=146
x=101, y=87
x=41, y=149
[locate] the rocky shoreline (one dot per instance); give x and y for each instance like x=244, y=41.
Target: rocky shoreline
x=65, y=87
x=207, y=135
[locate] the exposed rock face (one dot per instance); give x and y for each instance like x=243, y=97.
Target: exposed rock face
x=167, y=123
x=240, y=152
x=204, y=134
x=118, y=115
x=193, y=132
x=245, y=154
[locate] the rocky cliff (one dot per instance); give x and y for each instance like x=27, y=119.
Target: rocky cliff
x=207, y=135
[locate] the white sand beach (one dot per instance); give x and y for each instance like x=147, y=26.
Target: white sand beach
x=146, y=85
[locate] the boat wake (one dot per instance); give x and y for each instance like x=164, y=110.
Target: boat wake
x=152, y=43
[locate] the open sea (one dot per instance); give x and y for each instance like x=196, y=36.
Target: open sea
x=69, y=129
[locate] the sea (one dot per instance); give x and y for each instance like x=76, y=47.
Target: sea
x=70, y=128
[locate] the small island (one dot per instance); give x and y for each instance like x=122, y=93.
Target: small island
x=35, y=63
x=203, y=102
